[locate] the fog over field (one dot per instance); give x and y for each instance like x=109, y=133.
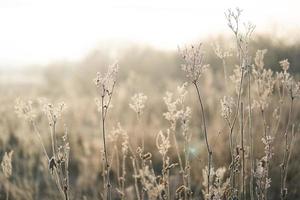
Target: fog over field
x=149, y=100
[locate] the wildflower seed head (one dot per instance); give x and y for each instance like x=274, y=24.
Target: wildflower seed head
x=171, y=115
x=118, y=134
x=106, y=83
x=264, y=82
x=268, y=141
x=294, y=88
x=296, y=91
x=163, y=142
x=53, y=112
x=182, y=92
x=106, y=80
x=185, y=115
x=149, y=182
x=24, y=109
x=220, y=53
x=6, y=164
x=138, y=103
x=236, y=78
x=175, y=107
x=285, y=65
x=193, y=65
x=220, y=172
x=259, y=58
x=227, y=105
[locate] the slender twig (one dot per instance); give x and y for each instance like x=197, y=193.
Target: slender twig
x=209, y=151
x=251, y=137
x=287, y=152
x=105, y=149
x=243, y=151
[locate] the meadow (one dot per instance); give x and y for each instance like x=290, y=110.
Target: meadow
x=217, y=120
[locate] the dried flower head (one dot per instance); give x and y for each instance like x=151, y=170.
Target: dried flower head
x=106, y=81
x=242, y=37
x=24, y=109
x=138, y=103
x=267, y=141
x=185, y=115
x=118, y=134
x=193, y=62
x=220, y=53
x=294, y=88
x=236, y=78
x=53, y=112
x=106, y=84
x=163, y=142
x=219, y=185
x=227, y=105
x=259, y=58
x=149, y=183
x=175, y=106
x=285, y=65
x=264, y=81
x=6, y=164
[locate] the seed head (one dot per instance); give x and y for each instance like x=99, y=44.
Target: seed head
x=24, y=109
x=193, y=62
x=6, y=164
x=259, y=58
x=285, y=65
x=138, y=103
x=227, y=104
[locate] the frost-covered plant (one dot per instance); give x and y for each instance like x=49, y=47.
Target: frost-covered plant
x=263, y=181
x=193, y=64
x=138, y=103
x=194, y=67
x=58, y=159
x=6, y=166
x=219, y=184
x=119, y=137
x=105, y=84
x=149, y=182
x=163, y=145
x=286, y=86
x=223, y=55
x=264, y=81
x=178, y=112
x=227, y=106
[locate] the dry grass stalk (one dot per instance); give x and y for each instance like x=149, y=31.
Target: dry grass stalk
x=106, y=84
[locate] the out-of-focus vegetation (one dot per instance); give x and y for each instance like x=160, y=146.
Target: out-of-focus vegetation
x=142, y=69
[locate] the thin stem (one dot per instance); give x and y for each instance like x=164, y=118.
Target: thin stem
x=267, y=156
x=290, y=147
x=179, y=159
x=105, y=149
x=243, y=151
x=135, y=179
x=251, y=138
x=209, y=151
x=37, y=132
x=239, y=99
x=7, y=192
x=287, y=152
x=232, y=177
x=225, y=72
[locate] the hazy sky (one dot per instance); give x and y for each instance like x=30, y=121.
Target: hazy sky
x=41, y=31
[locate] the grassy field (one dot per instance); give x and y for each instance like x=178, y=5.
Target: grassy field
x=215, y=120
